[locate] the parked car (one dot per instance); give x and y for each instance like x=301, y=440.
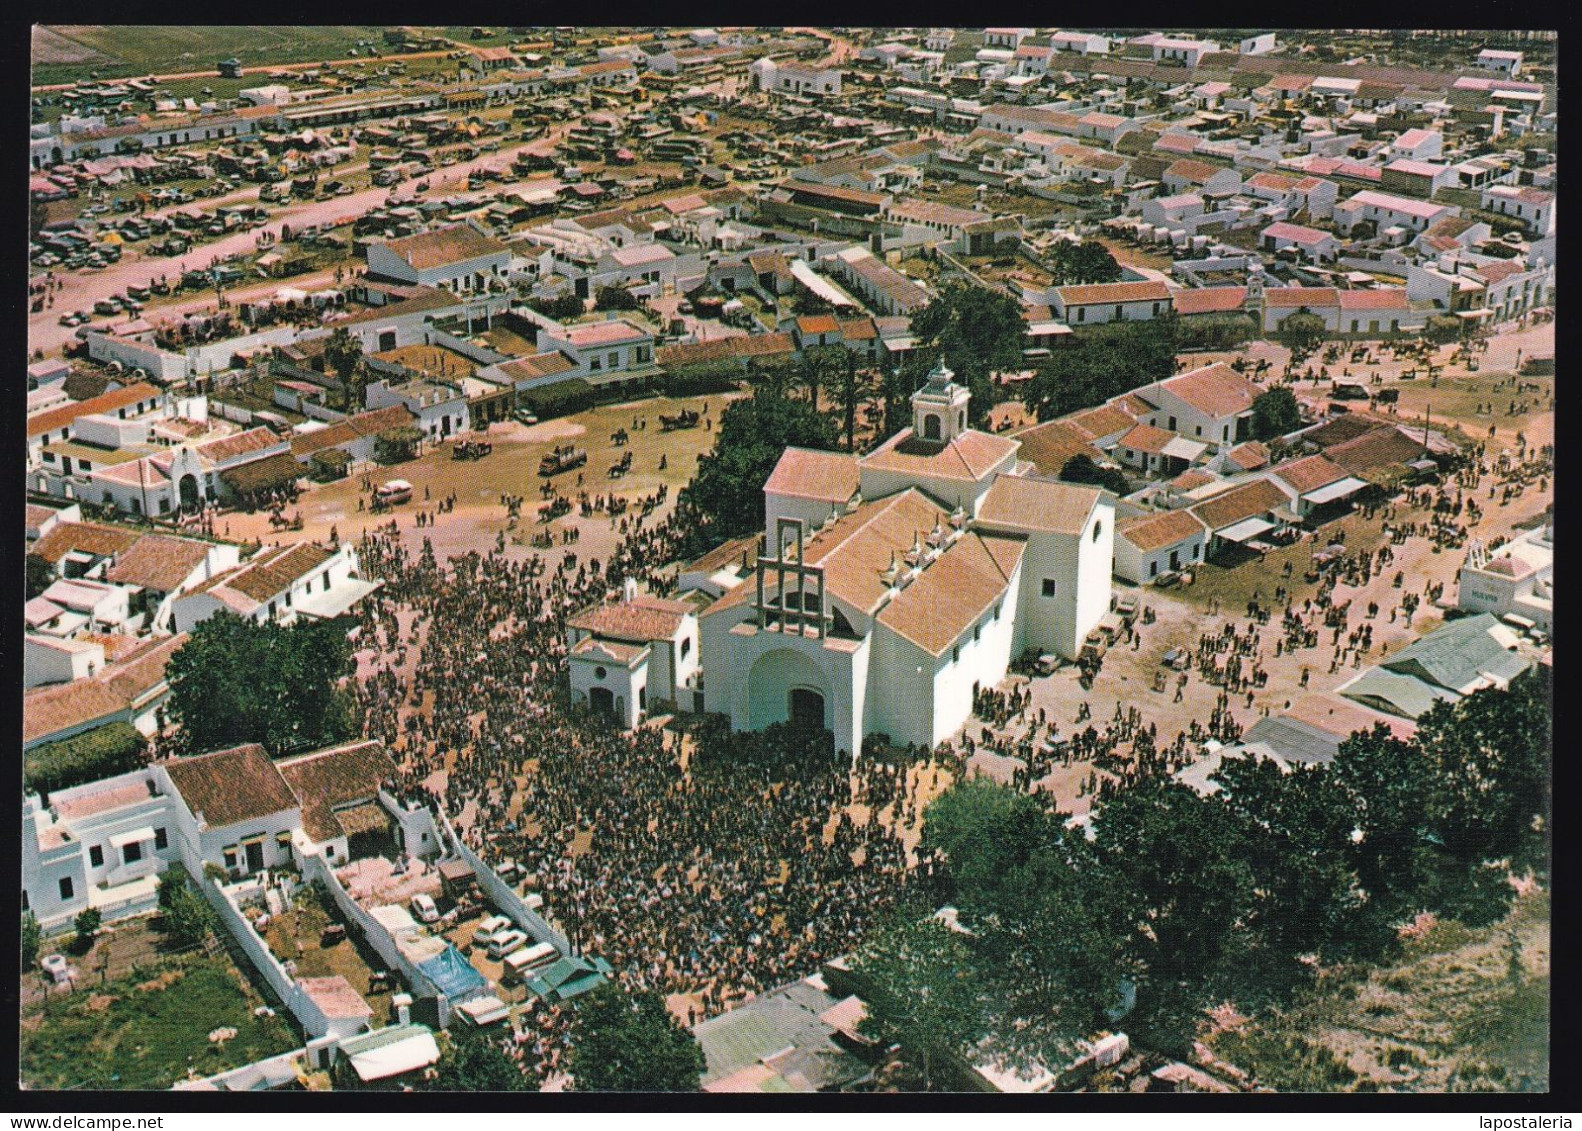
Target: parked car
x=507, y=941
x=486, y=930
x=423, y=907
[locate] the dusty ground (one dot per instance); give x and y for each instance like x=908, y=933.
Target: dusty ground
x=1459, y=1010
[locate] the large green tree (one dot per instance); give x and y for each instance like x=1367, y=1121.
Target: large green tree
x=1084, y=261
x=472, y=1062
x=978, y=331
x=923, y=992
x=1104, y=362
x=238, y=681
x=726, y=494
x=624, y=1042
x=1301, y=333
x=1081, y=469
x=1275, y=413
x=39, y=575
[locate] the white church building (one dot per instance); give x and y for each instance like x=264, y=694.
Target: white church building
x=892, y=586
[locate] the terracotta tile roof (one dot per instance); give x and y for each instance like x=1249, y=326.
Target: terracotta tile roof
x=1049, y=445
x=333, y=436
x=1249, y=456
x=276, y=570
x=1215, y=390
x=142, y=672
x=445, y=246
x=1197, y=172
x=50, y=710
x=605, y=333
x=1192, y=478
x=241, y=444
x=231, y=786
x=381, y=419
x=1038, y=504
x=1309, y=473
x=1293, y=297
x=1146, y=438
x=811, y=324
x=949, y=596
x=1343, y=428
x=113, y=401
x=1149, y=532
x=1497, y=272
x=422, y=298
x=538, y=365
x=1250, y=499
x=158, y=562
x=91, y=537
x=858, y=548
x=641, y=619
x=1378, y=447
x=1146, y=290
x=1382, y=298
x=1296, y=233
x=1209, y=300
x=808, y=474
x=1105, y=420
x=970, y=456
x=726, y=554
x=267, y=472
x=859, y=329
x=1343, y=718
x=325, y=780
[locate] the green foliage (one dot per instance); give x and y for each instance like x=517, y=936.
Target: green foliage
x=978, y=331
x=1081, y=469
x=1301, y=333
x=614, y=298
x=395, y=445
x=32, y=938
x=329, y=464
x=471, y=1062
x=727, y=490
x=115, y=748
x=238, y=681
x=1442, y=329
x=1087, y=261
x=1214, y=331
x=1275, y=413
x=40, y=575
x=631, y=1043
x=87, y=926
x=1105, y=362
x=805, y=302
x=185, y=918
x=708, y=378
x=561, y=307
x=922, y=992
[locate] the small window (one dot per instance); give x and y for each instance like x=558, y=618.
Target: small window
x=161, y=841
x=229, y=855
x=1098, y=529
x=977, y=632
x=132, y=853
x=1172, y=425
x=600, y=673
x=66, y=889
x=686, y=647
x=1153, y=569
x=955, y=654
x=96, y=856
x=1049, y=587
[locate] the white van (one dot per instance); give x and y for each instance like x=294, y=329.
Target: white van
x=521, y=963
x=506, y=942
x=490, y=927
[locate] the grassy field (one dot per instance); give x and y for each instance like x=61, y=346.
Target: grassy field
x=146, y=1029
x=1461, y=1010
x=69, y=53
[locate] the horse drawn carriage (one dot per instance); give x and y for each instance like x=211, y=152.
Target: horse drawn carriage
x=471, y=449
x=562, y=457
x=689, y=418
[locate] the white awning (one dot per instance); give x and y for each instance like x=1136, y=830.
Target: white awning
x=406, y=1055
x=1179, y=447
x=337, y=600
x=1336, y=490
x=136, y=836
x=1245, y=530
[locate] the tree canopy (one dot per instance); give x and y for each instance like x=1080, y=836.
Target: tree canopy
x=238, y=681
x=1301, y=333
x=978, y=331
x=1081, y=469
x=725, y=498
x=1188, y=900
x=1275, y=413
x=624, y=1042
x=472, y=1062
x=1086, y=261
x=1104, y=362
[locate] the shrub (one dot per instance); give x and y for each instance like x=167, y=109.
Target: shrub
x=1214, y=331
x=115, y=748
x=32, y=937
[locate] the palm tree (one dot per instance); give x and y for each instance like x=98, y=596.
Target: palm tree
x=850, y=390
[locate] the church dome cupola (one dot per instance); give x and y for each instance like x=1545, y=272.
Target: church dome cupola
x=939, y=408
